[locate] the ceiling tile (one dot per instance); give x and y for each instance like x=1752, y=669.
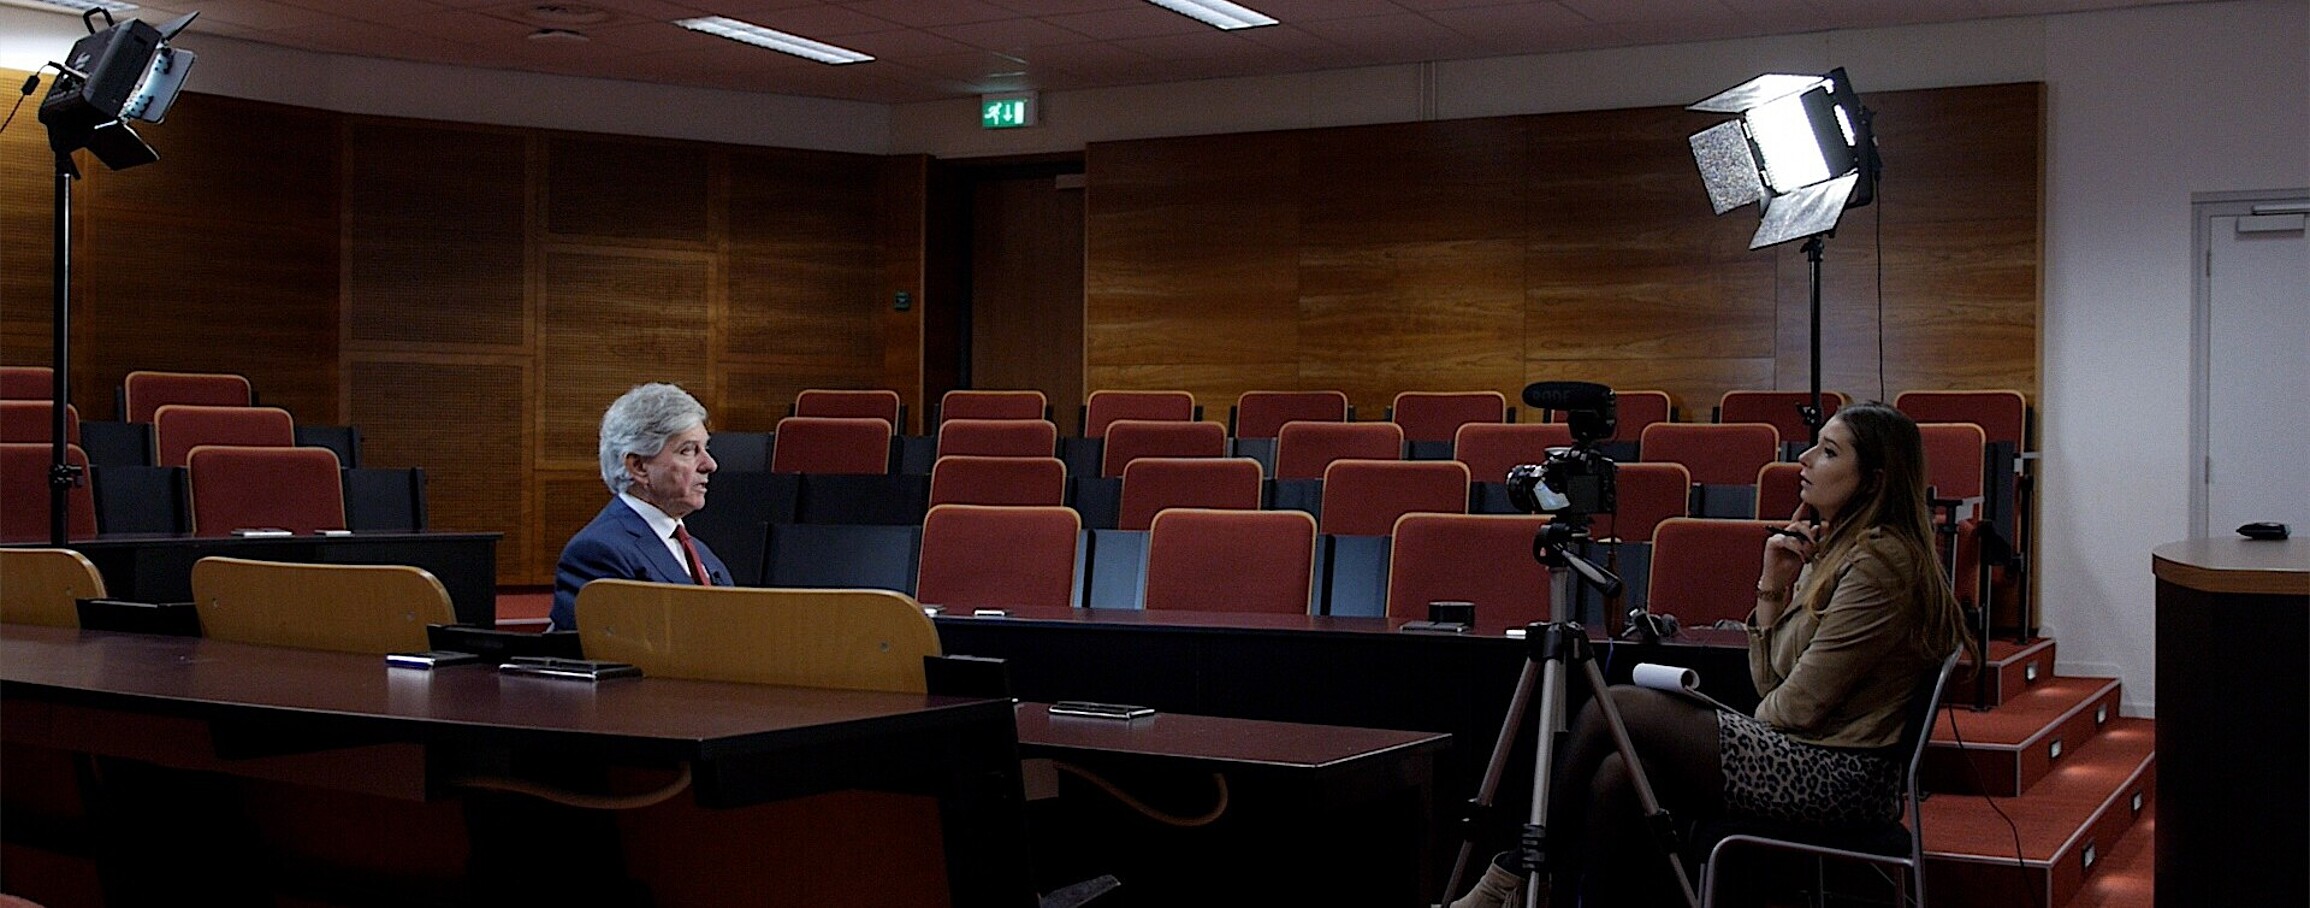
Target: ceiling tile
x=925, y=13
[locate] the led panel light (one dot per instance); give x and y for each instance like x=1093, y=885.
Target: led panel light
x=773, y=39
x=1217, y=13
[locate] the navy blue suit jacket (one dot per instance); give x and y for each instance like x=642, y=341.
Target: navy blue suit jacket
x=620, y=544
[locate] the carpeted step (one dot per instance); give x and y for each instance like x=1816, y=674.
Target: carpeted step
x=2065, y=825
x=2013, y=668
x=2127, y=878
x=2003, y=751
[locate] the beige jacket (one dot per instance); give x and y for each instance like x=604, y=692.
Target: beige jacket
x=1841, y=678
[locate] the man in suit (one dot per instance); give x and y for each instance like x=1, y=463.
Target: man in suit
x=653, y=454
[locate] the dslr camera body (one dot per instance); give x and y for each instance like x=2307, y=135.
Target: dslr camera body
x=1577, y=481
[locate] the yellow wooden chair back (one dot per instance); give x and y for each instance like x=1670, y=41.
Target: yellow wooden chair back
x=353, y=608
x=841, y=639
x=40, y=586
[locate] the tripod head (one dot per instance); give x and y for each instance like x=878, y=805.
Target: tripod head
x=1552, y=547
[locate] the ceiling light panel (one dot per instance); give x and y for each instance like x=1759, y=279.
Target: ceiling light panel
x=773, y=39
x=1217, y=13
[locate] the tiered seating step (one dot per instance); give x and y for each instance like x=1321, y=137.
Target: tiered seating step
x=2127, y=878
x=2012, y=669
x=2066, y=825
x=2011, y=747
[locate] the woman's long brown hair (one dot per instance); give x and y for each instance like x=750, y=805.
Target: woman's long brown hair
x=1891, y=456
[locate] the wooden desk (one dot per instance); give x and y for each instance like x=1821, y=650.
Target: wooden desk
x=1358, y=672
x=1315, y=814
x=145, y=567
x=2233, y=686
x=270, y=712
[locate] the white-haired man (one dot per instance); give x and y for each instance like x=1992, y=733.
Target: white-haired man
x=654, y=460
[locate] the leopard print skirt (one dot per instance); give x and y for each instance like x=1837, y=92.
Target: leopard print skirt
x=1772, y=776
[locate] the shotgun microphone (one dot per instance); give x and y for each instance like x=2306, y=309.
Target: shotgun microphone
x=1568, y=395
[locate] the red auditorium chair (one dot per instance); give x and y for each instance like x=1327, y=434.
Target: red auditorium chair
x=1210, y=560
x=969, y=479
x=1154, y=484
x=1364, y=497
x=2003, y=415
x=977, y=556
x=34, y=421
x=294, y=489
x=1303, y=450
x=1779, y=490
x=24, y=484
x=1035, y=437
x=976, y=404
x=1715, y=453
x=27, y=383
x=1490, y=448
x=1954, y=466
x=1779, y=408
x=1130, y=439
x=1261, y=414
x=1705, y=570
x=1105, y=407
x=145, y=391
x=1481, y=558
x=880, y=403
x=831, y=445
x=1436, y=416
x=179, y=428
x=1649, y=493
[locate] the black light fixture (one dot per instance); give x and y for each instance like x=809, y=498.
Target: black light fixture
x=119, y=73
x=1803, y=148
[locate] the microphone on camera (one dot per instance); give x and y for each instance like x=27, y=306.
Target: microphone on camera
x=1568, y=395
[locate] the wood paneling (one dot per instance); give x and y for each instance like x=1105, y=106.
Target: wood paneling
x=1027, y=291
x=1490, y=253
x=435, y=238
x=628, y=189
x=466, y=423
x=609, y=320
x=220, y=257
x=27, y=228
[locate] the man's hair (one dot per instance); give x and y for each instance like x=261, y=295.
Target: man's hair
x=640, y=422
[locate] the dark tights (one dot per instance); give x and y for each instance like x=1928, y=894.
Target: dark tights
x=1599, y=844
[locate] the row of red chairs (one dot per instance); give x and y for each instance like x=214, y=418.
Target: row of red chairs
x=229, y=487
x=142, y=392
x=1423, y=415
x=976, y=556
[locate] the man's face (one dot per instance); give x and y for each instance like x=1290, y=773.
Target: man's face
x=674, y=479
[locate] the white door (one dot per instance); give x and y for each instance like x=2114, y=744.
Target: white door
x=2254, y=354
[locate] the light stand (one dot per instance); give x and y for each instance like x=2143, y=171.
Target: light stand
x=120, y=73
x=1549, y=647
x=1804, y=149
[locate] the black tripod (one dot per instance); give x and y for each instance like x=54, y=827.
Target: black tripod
x=1549, y=647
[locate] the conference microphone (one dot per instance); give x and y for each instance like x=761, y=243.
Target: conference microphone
x=1568, y=395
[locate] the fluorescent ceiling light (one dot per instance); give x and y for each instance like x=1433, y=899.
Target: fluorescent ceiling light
x=749, y=33
x=1217, y=13
x=77, y=6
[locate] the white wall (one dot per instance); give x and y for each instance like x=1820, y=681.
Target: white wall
x=2146, y=106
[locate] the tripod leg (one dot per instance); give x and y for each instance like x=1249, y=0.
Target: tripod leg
x=1543, y=763
x=1662, y=825
x=1517, y=706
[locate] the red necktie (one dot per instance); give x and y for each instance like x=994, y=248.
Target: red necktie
x=697, y=564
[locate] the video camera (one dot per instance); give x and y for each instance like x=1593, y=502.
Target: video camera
x=1576, y=481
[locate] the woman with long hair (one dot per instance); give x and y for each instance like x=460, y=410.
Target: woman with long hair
x=1851, y=612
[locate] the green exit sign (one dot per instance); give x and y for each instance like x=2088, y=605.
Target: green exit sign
x=1007, y=111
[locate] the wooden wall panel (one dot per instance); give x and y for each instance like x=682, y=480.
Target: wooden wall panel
x=435, y=237
x=566, y=501
x=1614, y=268
x=609, y=320
x=1027, y=291
x=628, y=189
x=1192, y=252
x=1439, y=316
x=466, y=423
x=27, y=228
x=220, y=257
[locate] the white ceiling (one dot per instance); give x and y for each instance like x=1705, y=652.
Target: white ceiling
x=934, y=49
